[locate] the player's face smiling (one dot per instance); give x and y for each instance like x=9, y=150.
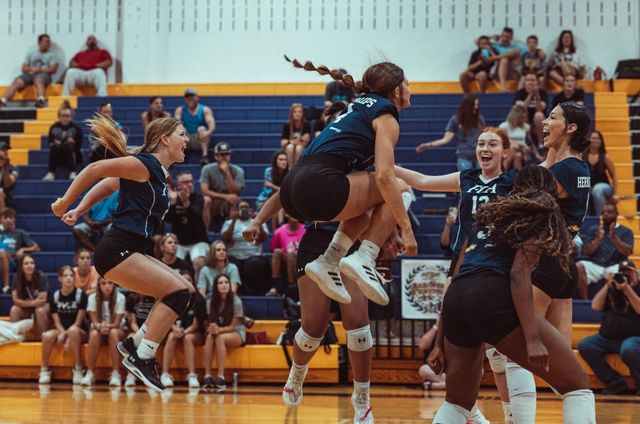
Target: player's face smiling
x=178, y=143
x=554, y=128
x=223, y=286
x=490, y=152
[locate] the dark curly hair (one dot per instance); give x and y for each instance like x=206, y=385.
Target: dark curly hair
x=529, y=215
x=577, y=114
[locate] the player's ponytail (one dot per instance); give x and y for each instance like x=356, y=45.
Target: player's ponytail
x=109, y=135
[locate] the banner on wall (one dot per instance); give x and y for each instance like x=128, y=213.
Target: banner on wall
x=422, y=286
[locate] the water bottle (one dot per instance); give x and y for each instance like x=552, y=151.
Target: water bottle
x=234, y=381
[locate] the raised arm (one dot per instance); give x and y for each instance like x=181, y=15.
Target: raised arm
x=419, y=181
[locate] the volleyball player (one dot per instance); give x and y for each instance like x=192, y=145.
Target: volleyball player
x=329, y=182
x=121, y=256
x=490, y=300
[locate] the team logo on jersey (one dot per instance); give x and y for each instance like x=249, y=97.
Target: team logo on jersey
x=482, y=189
x=584, y=182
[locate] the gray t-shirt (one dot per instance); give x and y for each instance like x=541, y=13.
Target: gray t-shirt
x=38, y=59
x=238, y=311
x=212, y=176
x=208, y=275
x=239, y=248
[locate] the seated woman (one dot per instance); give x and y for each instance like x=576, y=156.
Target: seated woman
x=65, y=141
x=30, y=294
x=223, y=330
x=565, y=59
x=273, y=176
x=217, y=263
x=186, y=333
x=106, y=309
x=296, y=134
x=168, y=253
x=68, y=308
x=155, y=111
x=85, y=276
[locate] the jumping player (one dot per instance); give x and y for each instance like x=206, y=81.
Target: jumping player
x=490, y=300
x=121, y=256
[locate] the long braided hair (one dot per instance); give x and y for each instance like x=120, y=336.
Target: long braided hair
x=381, y=78
x=529, y=215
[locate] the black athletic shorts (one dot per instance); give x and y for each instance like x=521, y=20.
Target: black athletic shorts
x=316, y=188
x=116, y=246
x=478, y=309
x=551, y=279
x=454, y=259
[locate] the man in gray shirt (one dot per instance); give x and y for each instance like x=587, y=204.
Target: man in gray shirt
x=37, y=69
x=222, y=182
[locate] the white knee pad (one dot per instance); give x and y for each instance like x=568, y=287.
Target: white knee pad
x=305, y=342
x=450, y=413
x=497, y=360
x=360, y=339
x=578, y=407
x=407, y=199
x=522, y=394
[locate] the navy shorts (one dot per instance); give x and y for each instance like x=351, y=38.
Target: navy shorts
x=552, y=280
x=116, y=246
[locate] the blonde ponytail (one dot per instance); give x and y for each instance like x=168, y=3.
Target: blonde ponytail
x=109, y=135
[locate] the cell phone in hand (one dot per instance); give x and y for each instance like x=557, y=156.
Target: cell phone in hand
x=453, y=211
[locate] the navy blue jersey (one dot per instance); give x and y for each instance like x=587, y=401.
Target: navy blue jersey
x=142, y=206
x=481, y=255
x=573, y=174
x=351, y=134
x=474, y=191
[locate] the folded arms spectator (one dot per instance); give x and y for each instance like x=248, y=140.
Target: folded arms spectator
x=296, y=134
x=88, y=67
x=85, y=275
x=65, y=143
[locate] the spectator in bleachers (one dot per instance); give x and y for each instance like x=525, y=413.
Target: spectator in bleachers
x=8, y=178
x=296, y=134
x=605, y=246
x=479, y=68
x=604, y=179
x=188, y=333
x=223, y=330
x=430, y=380
x=14, y=241
x=273, y=176
x=198, y=121
x=218, y=263
x=88, y=67
x=85, y=276
x=523, y=150
x=449, y=232
x=619, y=302
x=97, y=222
x=155, y=111
x=533, y=61
x=222, y=182
x=337, y=91
x=254, y=267
x=168, y=249
x=464, y=128
x=97, y=150
x=106, y=308
x=30, y=291
x=68, y=306
x=508, y=56
x=569, y=92
x=565, y=59
x=329, y=114
x=65, y=143
x=37, y=69
x=189, y=215
x=284, y=246
x=534, y=98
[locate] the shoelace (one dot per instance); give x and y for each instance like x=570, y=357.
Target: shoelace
x=361, y=399
x=297, y=378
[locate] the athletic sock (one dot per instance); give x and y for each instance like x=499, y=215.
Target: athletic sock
x=369, y=250
x=508, y=415
x=579, y=406
x=450, y=413
x=147, y=349
x=477, y=417
x=139, y=335
x=338, y=248
x=360, y=386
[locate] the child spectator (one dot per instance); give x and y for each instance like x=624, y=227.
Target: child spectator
x=30, y=294
x=97, y=222
x=8, y=177
x=296, y=134
x=464, y=128
x=284, y=246
x=273, y=176
x=534, y=98
x=188, y=333
x=218, y=263
x=168, y=248
x=604, y=180
x=569, y=92
x=479, y=67
x=155, y=111
x=85, y=276
x=532, y=61
x=223, y=330
x=106, y=307
x=97, y=150
x=68, y=307
x=565, y=59
x=338, y=92
x=65, y=143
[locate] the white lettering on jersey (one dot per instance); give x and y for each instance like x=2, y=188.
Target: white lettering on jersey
x=584, y=182
x=367, y=101
x=481, y=189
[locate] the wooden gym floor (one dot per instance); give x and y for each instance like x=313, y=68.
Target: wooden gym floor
x=62, y=403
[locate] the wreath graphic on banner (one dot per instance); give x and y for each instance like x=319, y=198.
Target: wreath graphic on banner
x=420, y=304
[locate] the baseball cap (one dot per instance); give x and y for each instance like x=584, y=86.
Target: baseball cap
x=222, y=147
x=344, y=71
x=626, y=264
x=190, y=92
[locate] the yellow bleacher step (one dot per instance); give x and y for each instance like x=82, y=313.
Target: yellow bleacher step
x=612, y=111
x=19, y=156
x=616, y=139
x=25, y=141
x=47, y=114
x=619, y=154
x=37, y=127
x=607, y=98
x=580, y=331
x=55, y=101
x=613, y=124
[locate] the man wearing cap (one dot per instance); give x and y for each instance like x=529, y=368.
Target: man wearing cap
x=222, y=182
x=336, y=91
x=199, y=122
x=619, y=302
x=605, y=246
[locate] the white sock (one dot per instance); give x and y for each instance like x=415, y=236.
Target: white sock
x=522, y=393
x=506, y=409
x=338, y=248
x=296, y=367
x=369, y=250
x=450, y=413
x=477, y=417
x=147, y=349
x=579, y=407
x=139, y=335
x=361, y=387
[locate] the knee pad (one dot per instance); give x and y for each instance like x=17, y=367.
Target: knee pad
x=519, y=379
x=407, y=199
x=522, y=394
x=177, y=301
x=497, y=360
x=305, y=342
x=450, y=413
x=360, y=339
x=579, y=406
